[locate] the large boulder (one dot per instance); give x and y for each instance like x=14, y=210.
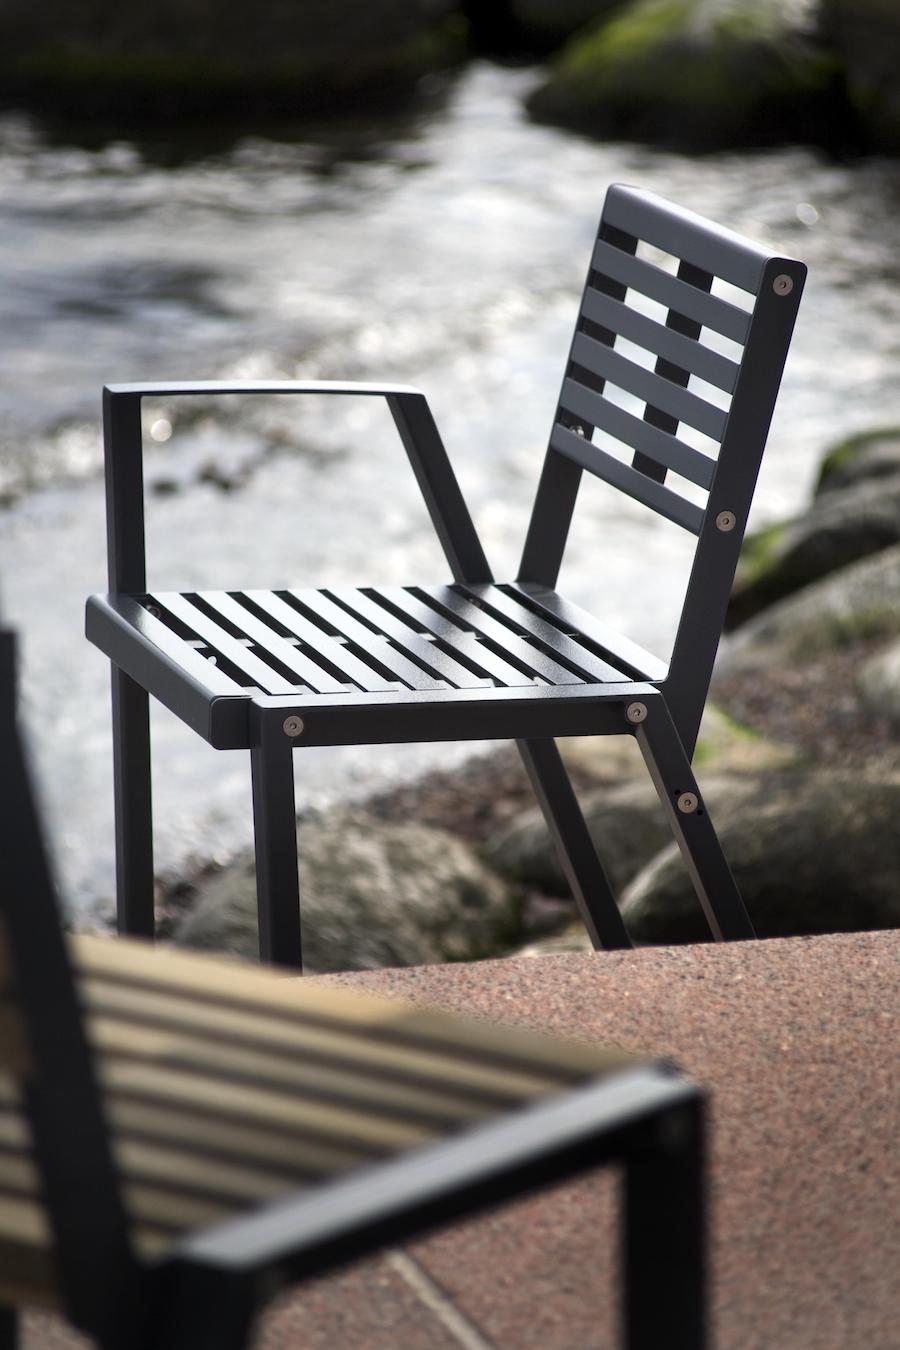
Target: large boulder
x=529, y=27
x=627, y=824
x=724, y=745
x=866, y=35
x=811, y=853
x=879, y=684
x=697, y=75
x=167, y=59
x=838, y=529
x=373, y=894
x=864, y=458
x=859, y=602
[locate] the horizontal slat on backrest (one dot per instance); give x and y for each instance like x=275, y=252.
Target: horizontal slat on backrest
x=645, y=384
x=629, y=480
x=622, y=319
x=659, y=445
x=671, y=291
x=686, y=235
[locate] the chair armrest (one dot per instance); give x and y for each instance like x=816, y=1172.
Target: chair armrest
x=307, y=1233
x=123, y=442
x=181, y=388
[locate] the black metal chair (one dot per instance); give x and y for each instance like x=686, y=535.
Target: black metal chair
x=477, y=659
x=182, y=1136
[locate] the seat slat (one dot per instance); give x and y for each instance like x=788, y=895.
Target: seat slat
x=645, y=384
x=317, y=677
x=380, y=1062
x=412, y=674
x=435, y=1102
x=469, y=612
x=685, y=352
x=256, y=670
x=450, y=616
x=380, y=1024
x=660, y=446
x=708, y=310
x=161, y=1084
x=688, y=236
x=591, y=666
x=334, y=653
x=627, y=479
x=353, y=603
x=639, y=663
x=210, y=677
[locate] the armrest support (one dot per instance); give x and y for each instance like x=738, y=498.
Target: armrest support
x=126, y=544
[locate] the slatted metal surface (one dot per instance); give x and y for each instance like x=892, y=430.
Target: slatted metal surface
x=683, y=346
x=381, y=639
x=227, y=1086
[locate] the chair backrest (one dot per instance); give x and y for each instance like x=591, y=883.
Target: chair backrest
x=62, y=1222
x=706, y=370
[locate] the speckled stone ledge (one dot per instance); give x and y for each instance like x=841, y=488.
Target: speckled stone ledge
x=797, y=1041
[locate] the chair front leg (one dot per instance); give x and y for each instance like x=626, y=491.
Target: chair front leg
x=275, y=831
x=677, y=787
x=665, y=1233
x=133, y=806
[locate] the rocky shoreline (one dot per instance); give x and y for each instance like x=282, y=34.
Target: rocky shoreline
x=799, y=758
x=696, y=75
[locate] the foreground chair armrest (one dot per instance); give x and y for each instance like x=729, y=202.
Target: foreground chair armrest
x=182, y=1135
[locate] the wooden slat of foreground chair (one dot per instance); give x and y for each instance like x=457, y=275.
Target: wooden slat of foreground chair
x=653, y=406
x=180, y=1136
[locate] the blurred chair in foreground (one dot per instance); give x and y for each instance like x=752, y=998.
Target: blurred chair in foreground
x=181, y=1136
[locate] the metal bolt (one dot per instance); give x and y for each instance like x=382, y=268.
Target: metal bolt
x=725, y=521
x=293, y=726
x=636, y=712
x=579, y=431
x=152, y=609
x=783, y=284
x=688, y=802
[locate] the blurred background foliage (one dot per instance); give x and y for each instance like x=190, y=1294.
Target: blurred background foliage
x=690, y=74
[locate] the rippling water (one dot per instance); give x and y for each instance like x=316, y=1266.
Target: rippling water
x=446, y=250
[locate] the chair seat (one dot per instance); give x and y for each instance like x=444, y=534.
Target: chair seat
x=371, y=647
x=228, y=1087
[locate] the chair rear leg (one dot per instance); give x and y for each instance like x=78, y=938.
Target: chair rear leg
x=665, y=1234
x=275, y=829
x=674, y=780
x=133, y=806
x=583, y=868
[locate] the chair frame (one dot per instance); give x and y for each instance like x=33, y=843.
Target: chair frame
x=203, y=1293
x=660, y=705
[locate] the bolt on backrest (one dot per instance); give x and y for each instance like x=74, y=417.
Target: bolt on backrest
x=651, y=455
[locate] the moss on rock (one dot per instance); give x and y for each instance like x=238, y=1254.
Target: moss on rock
x=696, y=74
x=868, y=454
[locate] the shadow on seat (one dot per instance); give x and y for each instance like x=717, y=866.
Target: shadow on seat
x=181, y=1136
x=668, y=395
